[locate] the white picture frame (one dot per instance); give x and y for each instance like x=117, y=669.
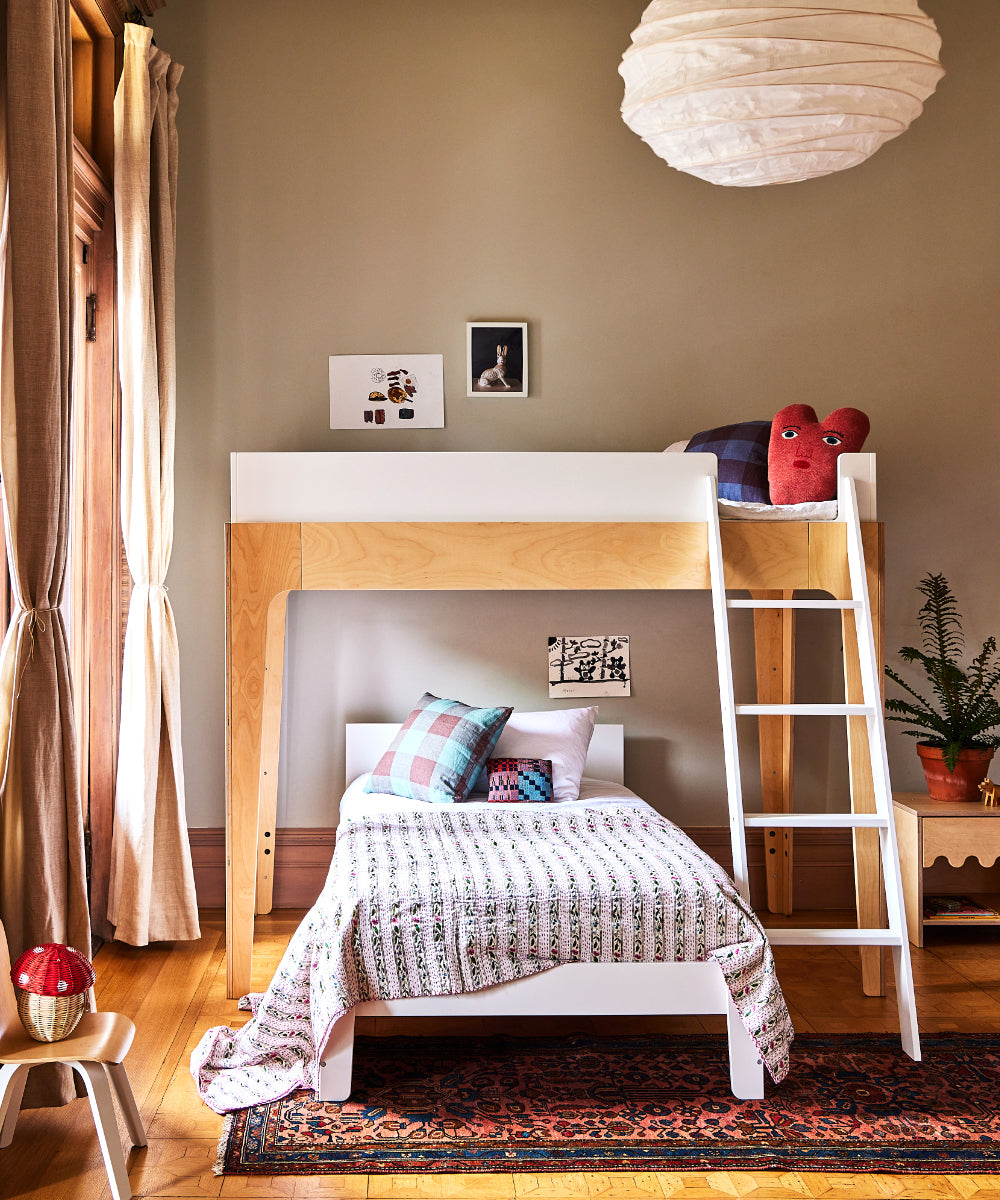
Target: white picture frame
x=386, y=391
x=496, y=359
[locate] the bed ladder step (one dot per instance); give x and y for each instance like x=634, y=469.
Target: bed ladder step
x=791, y=820
x=779, y=936
x=804, y=710
x=871, y=790
x=836, y=605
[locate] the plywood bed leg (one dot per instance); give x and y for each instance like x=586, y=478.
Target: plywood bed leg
x=261, y=561
x=337, y=1062
x=270, y=745
x=746, y=1069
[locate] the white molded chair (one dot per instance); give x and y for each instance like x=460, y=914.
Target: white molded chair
x=95, y=1050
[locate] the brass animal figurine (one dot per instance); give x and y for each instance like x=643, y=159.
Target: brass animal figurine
x=991, y=793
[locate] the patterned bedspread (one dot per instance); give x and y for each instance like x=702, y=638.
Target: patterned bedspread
x=460, y=897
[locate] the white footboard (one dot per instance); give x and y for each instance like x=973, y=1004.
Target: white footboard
x=575, y=989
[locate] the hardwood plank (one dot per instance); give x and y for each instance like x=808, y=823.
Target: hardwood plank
x=177, y=1167
x=54, y=1155
x=487, y=1186
x=619, y=1185
x=188, y=1032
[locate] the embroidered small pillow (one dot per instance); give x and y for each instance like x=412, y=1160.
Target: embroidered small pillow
x=519, y=780
x=439, y=751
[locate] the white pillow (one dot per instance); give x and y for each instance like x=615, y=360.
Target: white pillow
x=560, y=734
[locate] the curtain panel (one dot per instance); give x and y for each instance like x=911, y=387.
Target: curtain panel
x=43, y=888
x=152, y=895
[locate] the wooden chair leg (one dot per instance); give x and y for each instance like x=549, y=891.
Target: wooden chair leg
x=126, y=1102
x=99, y=1091
x=12, y=1081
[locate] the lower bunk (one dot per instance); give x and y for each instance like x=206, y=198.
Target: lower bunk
x=590, y=906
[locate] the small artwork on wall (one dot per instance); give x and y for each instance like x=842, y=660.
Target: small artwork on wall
x=386, y=391
x=496, y=358
x=589, y=666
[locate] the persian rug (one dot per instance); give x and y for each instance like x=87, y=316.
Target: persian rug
x=653, y=1103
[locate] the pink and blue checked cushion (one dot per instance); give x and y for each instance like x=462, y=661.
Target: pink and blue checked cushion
x=519, y=780
x=439, y=751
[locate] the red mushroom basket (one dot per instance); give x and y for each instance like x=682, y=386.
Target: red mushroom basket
x=51, y=983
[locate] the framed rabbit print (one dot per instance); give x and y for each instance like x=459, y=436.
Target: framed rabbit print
x=496, y=358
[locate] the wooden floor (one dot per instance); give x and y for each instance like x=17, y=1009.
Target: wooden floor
x=174, y=992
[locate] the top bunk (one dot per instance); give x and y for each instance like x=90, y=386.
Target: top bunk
x=458, y=486
x=499, y=521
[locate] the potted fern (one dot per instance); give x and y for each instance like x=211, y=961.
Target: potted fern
x=955, y=726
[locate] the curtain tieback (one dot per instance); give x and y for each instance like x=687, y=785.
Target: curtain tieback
x=29, y=618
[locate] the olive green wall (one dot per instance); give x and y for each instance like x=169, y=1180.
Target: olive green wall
x=368, y=177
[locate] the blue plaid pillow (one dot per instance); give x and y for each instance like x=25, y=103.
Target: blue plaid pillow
x=742, y=453
x=439, y=751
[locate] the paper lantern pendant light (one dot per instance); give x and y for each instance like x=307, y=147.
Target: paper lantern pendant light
x=743, y=94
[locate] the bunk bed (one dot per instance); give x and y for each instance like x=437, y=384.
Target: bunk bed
x=559, y=521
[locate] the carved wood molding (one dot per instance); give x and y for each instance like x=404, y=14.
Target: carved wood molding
x=146, y=7
x=91, y=197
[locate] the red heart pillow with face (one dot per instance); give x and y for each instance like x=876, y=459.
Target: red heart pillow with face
x=803, y=451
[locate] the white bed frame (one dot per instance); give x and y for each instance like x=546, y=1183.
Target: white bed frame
x=570, y=990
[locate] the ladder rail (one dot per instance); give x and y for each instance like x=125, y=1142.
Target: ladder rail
x=724, y=660
x=878, y=756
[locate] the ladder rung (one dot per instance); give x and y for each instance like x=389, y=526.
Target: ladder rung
x=834, y=604
x=783, y=820
x=833, y=937
x=804, y=710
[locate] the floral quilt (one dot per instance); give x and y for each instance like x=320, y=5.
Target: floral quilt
x=461, y=897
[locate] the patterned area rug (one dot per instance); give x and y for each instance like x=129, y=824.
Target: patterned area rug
x=849, y=1103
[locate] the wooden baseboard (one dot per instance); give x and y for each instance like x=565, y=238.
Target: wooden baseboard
x=822, y=877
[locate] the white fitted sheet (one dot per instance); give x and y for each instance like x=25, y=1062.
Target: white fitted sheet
x=357, y=804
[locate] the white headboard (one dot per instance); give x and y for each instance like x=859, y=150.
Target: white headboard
x=366, y=744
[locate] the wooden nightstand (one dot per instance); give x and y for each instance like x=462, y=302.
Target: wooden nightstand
x=930, y=829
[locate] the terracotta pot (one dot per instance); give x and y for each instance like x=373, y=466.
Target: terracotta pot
x=960, y=785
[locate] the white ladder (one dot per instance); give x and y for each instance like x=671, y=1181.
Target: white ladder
x=894, y=935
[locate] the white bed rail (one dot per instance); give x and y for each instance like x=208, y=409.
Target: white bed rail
x=487, y=486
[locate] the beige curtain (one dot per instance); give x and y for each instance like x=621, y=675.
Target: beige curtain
x=43, y=888
x=152, y=896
